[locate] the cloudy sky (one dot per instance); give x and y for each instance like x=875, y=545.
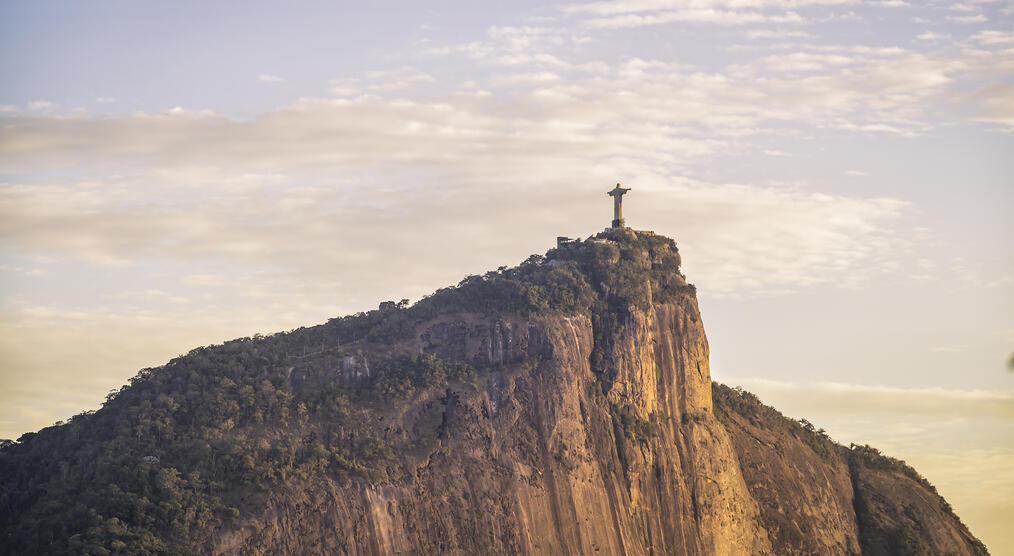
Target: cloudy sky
x=839, y=175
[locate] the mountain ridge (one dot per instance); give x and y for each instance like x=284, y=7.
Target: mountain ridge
x=561, y=406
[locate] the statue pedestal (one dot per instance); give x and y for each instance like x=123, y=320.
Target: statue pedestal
x=618, y=223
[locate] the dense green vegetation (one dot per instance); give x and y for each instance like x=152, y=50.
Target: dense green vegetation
x=153, y=470
x=154, y=462
x=571, y=279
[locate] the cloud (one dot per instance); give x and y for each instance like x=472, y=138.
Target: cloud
x=992, y=37
x=513, y=45
x=777, y=34
x=268, y=78
x=635, y=6
x=380, y=82
x=523, y=79
x=639, y=13
x=961, y=7
x=206, y=280
x=798, y=239
x=993, y=103
x=711, y=16
x=36, y=105
x=856, y=173
x=931, y=36
x=804, y=62
x=977, y=18
x=269, y=190
x=104, y=100
x=842, y=399
x=473, y=49
x=339, y=166
x=890, y=88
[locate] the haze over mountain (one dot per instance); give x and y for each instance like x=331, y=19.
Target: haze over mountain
x=563, y=406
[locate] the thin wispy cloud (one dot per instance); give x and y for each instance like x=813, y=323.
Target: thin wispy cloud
x=554, y=128
x=828, y=398
x=708, y=16
x=931, y=36
x=993, y=37
x=780, y=34
x=634, y=6
x=977, y=18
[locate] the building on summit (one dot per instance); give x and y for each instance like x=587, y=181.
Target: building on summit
x=564, y=240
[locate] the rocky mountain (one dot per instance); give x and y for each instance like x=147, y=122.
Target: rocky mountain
x=564, y=406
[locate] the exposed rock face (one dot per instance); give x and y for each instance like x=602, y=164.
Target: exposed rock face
x=534, y=462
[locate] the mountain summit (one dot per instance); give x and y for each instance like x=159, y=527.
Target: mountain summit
x=564, y=406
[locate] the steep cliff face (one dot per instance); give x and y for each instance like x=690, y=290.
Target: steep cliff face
x=536, y=458
x=574, y=415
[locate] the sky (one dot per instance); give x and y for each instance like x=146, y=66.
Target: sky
x=838, y=174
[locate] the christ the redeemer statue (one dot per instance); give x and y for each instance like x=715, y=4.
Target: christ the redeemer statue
x=617, y=194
